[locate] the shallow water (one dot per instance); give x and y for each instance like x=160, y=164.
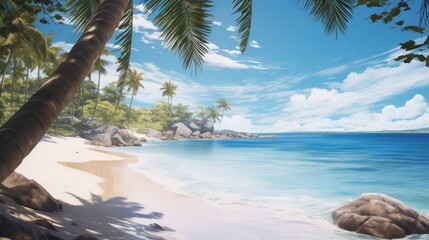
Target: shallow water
x=302, y=175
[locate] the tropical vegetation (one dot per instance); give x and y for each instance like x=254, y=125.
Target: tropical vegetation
x=184, y=25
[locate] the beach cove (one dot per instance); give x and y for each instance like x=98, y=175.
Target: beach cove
x=104, y=195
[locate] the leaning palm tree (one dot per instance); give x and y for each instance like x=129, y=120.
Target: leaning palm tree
x=212, y=114
x=222, y=104
x=184, y=25
x=169, y=90
x=133, y=81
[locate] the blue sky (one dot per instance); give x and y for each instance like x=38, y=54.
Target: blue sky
x=293, y=77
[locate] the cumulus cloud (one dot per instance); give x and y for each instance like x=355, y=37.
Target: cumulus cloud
x=414, y=114
x=140, y=23
x=217, y=23
x=238, y=123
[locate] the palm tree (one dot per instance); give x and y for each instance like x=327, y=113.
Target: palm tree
x=212, y=114
x=169, y=90
x=133, y=81
x=222, y=104
x=185, y=27
x=24, y=35
x=99, y=67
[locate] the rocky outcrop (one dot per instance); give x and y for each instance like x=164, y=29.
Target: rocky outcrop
x=206, y=126
x=108, y=136
x=13, y=228
x=193, y=126
x=181, y=130
x=153, y=133
x=200, y=130
x=29, y=193
x=380, y=216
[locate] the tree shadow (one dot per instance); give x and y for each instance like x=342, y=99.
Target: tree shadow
x=114, y=218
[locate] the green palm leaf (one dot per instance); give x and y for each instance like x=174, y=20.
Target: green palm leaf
x=244, y=21
x=81, y=12
x=124, y=41
x=185, y=27
x=333, y=14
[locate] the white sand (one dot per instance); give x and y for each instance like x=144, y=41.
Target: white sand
x=111, y=201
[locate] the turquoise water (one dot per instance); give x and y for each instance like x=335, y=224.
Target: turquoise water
x=306, y=175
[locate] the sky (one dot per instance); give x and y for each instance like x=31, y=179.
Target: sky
x=293, y=77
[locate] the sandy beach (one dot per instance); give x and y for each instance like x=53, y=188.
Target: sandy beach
x=104, y=197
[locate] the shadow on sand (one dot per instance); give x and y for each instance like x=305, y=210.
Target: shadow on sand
x=114, y=218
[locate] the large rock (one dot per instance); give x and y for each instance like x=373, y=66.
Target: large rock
x=206, y=126
x=108, y=135
x=13, y=228
x=29, y=193
x=153, y=133
x=206, y=135
x=193, y=126
x=380, y=216
x=181, y=130
x=129, y=138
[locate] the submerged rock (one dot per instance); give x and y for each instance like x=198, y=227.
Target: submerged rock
x=380, y=216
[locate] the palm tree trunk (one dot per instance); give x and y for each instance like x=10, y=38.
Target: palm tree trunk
x=38, y=75
x=4, y=71
x=129, y=110
x=223, y=112
x=12, y=89
x=21, y=133
x=98, y=92
x=119, y=100
x=26, y=82
x=82, y=100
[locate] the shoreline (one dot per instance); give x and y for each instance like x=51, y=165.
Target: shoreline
x=104, y=197
x=226, y=220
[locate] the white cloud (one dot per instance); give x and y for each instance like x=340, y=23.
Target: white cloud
x=232, y=29
x=217, y=23
x=63, y=45
x=413, y=115
x=152, y=36
x=140, y=23
x=238, y=123
x=215, y=59
x=254, y=44
x=231, y=52
x=140, y=7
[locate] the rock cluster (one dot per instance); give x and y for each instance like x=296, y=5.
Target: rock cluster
x=30, y=194
x=108, y=136
x=380, y=216
x=200, y=130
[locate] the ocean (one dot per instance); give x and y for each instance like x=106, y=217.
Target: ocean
x=305, y=175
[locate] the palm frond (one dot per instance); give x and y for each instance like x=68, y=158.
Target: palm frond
x=185, y=26
x=33, y=38
x=333, y=14
x=124, y=41
x=9, y=7
x=81, y=12
x=244, y=21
